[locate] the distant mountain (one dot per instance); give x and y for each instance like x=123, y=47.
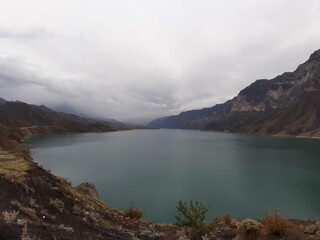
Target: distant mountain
x=41, y=119
x=69, y=110
x=288, y=104
x=2, y=101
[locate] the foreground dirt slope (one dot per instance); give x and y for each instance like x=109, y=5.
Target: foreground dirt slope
x=35, y=204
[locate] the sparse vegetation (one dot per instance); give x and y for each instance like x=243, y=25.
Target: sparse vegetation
x=25, y=235
x=275, y=224
x=32, y=203
x=45, y=214
x=10, y=217
x=57, y=203
x=64, y=180
x=31, y=212
x=65, y=228
x=77, y=209
x=12, y=165
x=192, y=215
x=14, y=169
x=250, y=229
x=16, y=204
x=133, y=212
x=227, y=219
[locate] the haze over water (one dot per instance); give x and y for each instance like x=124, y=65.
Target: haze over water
x=154, y=169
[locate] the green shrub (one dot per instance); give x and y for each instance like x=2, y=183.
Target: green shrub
x=192, y=215
x=133, y=213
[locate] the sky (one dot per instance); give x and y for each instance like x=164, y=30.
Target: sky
x=136, y=60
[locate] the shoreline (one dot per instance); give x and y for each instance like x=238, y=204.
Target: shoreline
x=65, y=223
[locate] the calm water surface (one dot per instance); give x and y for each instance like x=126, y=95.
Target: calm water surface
x=154, y=169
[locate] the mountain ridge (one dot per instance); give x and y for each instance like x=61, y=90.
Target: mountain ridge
x=31, y=119
x=265, y=107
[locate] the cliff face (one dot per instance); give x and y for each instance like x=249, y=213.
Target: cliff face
x=264, y=95
x=287, y=104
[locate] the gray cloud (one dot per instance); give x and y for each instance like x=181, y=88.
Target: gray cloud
x=31, y=33
x=130, y=61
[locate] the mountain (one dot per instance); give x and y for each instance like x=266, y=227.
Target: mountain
x=2, y=101
x=68, y=109
x=288, y=104
x=41, y=119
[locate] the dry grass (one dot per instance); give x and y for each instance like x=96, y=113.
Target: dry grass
x=133, y=213
x=12, y=165
x=57, y=203
x=275, y=224
x=16, y=204
x=10, y=217
x=14, y=169
x=30, y=212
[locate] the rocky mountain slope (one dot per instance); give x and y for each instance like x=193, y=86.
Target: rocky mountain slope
x=32, y=119
x=2, y=101
x=285, y=105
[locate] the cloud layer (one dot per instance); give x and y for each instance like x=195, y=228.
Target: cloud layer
x=137, y=60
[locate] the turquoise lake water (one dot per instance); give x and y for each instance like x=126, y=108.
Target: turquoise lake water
x=154, y=169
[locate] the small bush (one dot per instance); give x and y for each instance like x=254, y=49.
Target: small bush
x=275, y=224
x=64, y=180
x=10, y=217
x=76, y=209
x=227, y=219
x=25, y=235
x=192, y=215
x=133, y=213
x=222, y=221
x=16, y=204
x=57, y=203
x=31, y=212
x=32, y=203
x=217, y=220
x=45, y=214
x=250, y=229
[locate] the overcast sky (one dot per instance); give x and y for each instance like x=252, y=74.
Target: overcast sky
x=141, y=59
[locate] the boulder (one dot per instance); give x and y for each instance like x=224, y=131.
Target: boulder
x=311, y=229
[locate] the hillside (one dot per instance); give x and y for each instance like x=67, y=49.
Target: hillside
x=285, y=105
x=32, y=119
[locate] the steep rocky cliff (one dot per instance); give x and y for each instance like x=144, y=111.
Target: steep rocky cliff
x=285, y=105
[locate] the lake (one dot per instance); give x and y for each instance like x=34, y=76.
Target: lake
x=154, y=169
